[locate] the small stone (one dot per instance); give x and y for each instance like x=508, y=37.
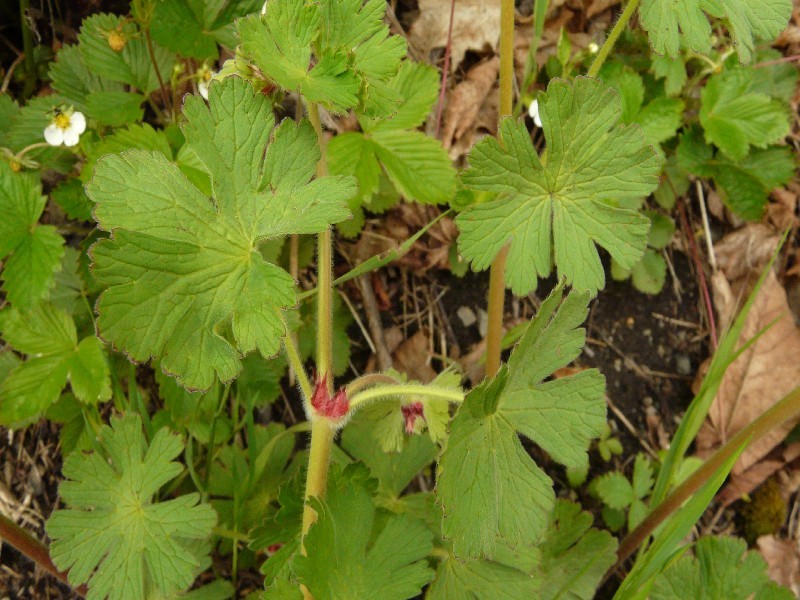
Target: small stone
x=483, y=322
x=618, y=365
x=683, y=364
x=467, y=316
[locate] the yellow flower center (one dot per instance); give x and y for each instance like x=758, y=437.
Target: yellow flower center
x=61, y=121
x=207, y=76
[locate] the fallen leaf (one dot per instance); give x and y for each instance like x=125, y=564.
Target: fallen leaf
x=761, y=376
x=746, y=482
x=466, y=99
x=598, y=6
x=783, y=561
x=783, y=212
x=413, y=357
x=476, y=26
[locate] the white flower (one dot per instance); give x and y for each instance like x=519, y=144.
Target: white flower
x=65, y=128
x=533, y=111
x=204, y=76
x=593, y=48
x=202, y=87
x=264, y=8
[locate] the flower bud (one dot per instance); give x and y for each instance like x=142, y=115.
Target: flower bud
x=117, y=41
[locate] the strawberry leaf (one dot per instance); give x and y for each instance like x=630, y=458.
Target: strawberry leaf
x=564, y=201
x=32, y=252
x=180, y=268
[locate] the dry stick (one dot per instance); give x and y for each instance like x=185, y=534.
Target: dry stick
x=26, y=544
x=700, y=273
x=712, y=259
x=787, y=408
x=497, y=288
x=446, y=70
x=374, y=323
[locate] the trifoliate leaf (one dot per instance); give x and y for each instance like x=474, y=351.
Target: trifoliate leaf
x=116, y=109
x=280, y=44
x=776, y=79
x=484, y=472
x=743, y=185
x=48, y=336
x=114, y=535
x=614, y=490
x=352, y=555
x=749, y=20
x=133, y=64
x=574, y=556
x=659, y=119
x=721, y=568
x=416, y=164
x=73, y=80
x=180, y=268
x=735, y=119
x=562, y=203
x=32, y=252
x=195, y=28
x=642, y=476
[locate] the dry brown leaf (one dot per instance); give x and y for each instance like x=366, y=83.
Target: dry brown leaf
x=747, y=482
x=413, y=357
x=783, y=212
x=466, y=99
x=761, y=376
x=476, y=26
x=783, y=561
x=598, y=6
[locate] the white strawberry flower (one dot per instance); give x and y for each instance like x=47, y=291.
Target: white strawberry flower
x=533, y=111
x=65, y=128
x=264, y=8
x=204, y=76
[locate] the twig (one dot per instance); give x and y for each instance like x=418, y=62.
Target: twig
x=374, y=321
x=700, y=273
x=446, y=69
x=629, y=426
x=10, y=72
x=20, y=539
x=701, y=200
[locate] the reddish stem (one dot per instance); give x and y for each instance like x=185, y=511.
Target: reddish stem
x=25, y=543
x=446, y=70
x=700, y=272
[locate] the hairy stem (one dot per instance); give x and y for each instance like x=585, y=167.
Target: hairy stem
x=24, y=542
x=612, y=37
x=408, y=389
x=787, y=408
x=297, y=365
x=496, y=303
x=322, y=432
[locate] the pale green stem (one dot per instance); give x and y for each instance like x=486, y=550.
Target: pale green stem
x=319, y=457
x=368, y=380
x=497, y=289
x=612, y=37
x=297, y=365
x=409, y=389
x=27, y=149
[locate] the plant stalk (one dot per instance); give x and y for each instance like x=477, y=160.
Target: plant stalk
x=27, y=48
x=497, y=289
x=408, y=389
x=25, y=543
x=787, y=408
x=321, y=430
x=612, y=37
